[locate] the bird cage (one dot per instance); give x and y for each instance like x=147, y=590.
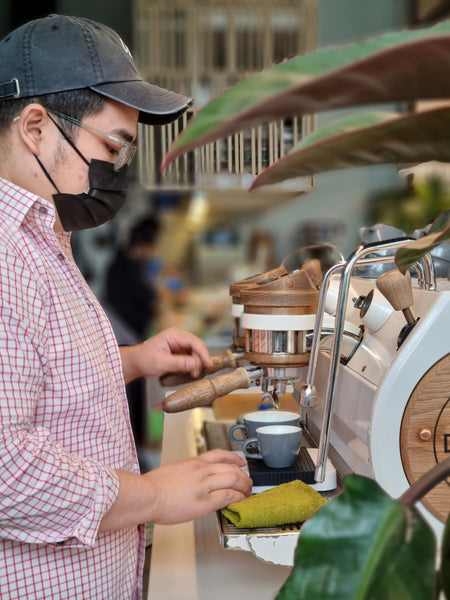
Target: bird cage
x=199, y=48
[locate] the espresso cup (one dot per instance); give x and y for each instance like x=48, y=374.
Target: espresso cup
x=277, y=445
x=261, y=418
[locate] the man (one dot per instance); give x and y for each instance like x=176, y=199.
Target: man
x=71, y=496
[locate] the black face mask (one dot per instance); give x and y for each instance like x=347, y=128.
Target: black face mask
x=105, y=197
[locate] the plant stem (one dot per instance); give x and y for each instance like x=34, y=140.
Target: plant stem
x=427, y=482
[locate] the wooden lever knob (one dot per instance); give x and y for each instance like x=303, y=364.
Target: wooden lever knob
x=314, y=270
x=204, y=392
x=222, y=361
x=397, y=289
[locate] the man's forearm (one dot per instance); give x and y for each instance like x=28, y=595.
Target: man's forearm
x=130, y=372
x=132, y=505
x=178, y=491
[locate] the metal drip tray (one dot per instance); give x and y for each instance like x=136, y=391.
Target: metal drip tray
x=271, y=544
x=229, y=530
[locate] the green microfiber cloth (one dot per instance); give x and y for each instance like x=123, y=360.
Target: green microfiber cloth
x=292, y=502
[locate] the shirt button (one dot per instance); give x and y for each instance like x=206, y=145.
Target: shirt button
x=43, y=210
x=61, y=256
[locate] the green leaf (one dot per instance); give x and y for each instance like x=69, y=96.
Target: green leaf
x=403, y=65
x=363, y=545
x=445, y=561
x=366, y=139
x=441, y=223
x=409, y=254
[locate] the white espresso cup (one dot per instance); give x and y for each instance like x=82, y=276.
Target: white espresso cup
x=277, y=445
x=261, y=418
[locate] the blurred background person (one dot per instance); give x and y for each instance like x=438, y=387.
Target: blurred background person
x=131, y=300
x=130, y=294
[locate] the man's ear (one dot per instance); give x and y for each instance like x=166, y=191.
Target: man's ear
x=32, y=126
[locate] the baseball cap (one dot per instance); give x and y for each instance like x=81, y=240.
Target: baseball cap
x=60, y=53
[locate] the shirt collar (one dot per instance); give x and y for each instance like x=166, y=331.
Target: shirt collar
x=16, y=202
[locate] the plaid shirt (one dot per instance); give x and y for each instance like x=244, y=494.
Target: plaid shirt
x=64, y=420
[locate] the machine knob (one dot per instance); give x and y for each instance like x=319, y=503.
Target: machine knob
x=363, y=303
x=397, y=288
x=425, y=434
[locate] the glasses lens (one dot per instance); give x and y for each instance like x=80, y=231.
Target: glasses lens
x=125, y=157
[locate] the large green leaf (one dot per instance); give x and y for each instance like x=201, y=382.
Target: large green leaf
x=363, y=545
x=445, y=561
x=366, y=139
x=409, y=254
x=403, y=65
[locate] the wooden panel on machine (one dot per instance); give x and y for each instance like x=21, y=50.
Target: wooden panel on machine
x=425, y=433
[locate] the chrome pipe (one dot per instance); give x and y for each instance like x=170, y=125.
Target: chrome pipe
x=308, y=393
x=344, y=286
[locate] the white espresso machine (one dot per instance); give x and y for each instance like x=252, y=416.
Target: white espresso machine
x=365, y=351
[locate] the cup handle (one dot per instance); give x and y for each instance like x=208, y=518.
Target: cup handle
x=235, y=428
x=255, y=442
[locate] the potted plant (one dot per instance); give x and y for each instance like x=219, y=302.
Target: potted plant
x=365, y=545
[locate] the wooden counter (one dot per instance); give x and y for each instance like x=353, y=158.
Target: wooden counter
x=188, y=562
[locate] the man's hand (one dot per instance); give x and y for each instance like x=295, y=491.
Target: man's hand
x=179, y=491
x=195, y=487
x=169, y=351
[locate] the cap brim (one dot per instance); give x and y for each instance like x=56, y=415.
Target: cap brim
x=157, y=105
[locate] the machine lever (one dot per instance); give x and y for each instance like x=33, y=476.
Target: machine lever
x=204, y=392
x=314, y=271
x=225, y=360
x=397, y=289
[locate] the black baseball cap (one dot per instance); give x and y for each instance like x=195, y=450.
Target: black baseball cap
x=60, y=53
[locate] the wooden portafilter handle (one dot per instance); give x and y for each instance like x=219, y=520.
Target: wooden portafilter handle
x=397, y=289
x=225, y=360
x=204, y=392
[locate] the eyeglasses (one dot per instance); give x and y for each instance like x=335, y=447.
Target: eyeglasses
x=127, y=149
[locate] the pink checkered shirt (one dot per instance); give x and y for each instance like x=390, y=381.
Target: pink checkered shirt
x=65, y=427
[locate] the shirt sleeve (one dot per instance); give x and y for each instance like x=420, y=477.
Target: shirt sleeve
x=47, y=495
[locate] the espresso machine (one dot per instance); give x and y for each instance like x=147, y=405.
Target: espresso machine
x=365, y=352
